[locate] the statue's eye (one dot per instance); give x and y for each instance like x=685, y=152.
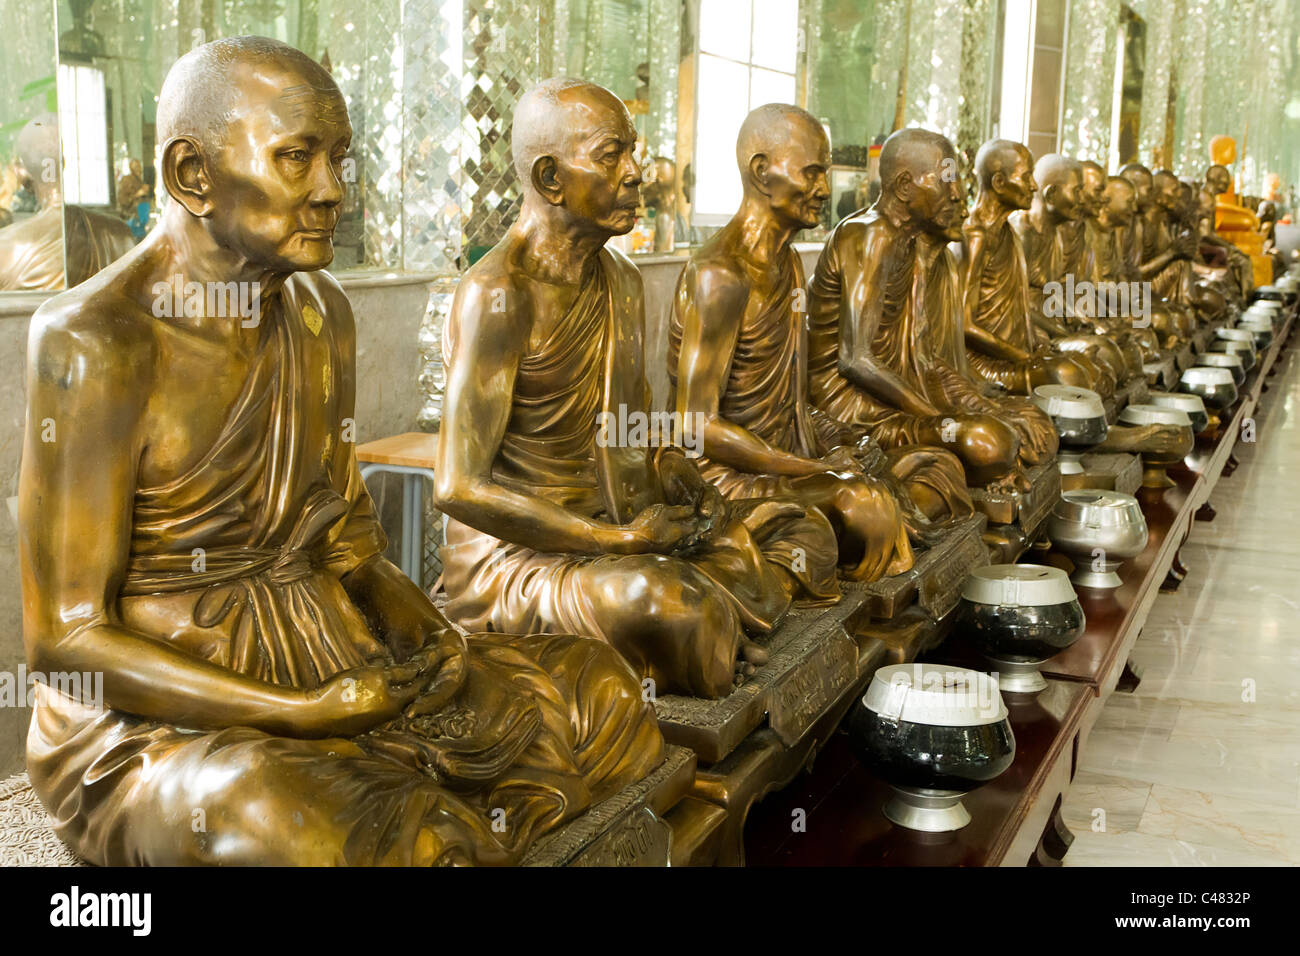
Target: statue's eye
x=296, y=155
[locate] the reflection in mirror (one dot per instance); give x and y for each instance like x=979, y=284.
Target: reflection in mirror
x=31, y=220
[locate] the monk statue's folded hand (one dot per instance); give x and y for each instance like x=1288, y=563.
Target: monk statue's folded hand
x=843, y=461
x=361, y=698
x=658, y=529
x=684, y=485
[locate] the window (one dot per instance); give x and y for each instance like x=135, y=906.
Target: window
x=83, y=129
x=748, y=52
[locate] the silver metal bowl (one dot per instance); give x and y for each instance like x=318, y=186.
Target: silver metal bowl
x=1077, y=413
x=1018, y=616
x=1261, y=328
x=1246, y=350
x=1229, y=360
x=1190, y=404
x=1097, y=530
x=1215, y=386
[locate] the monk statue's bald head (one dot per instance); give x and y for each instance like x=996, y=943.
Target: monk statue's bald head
x=209, y=86
x=1094, y=187
x=1140, y=177
x=1218, y=179
x=784, y=158
x=1120, y=203
x=1060, y=186
x=255, y=150
x=919, y=180
x=37, y=147
x=574, y=149
x=1166, y=190
x=1005, y=169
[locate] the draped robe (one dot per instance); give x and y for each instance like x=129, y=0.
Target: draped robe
x=920, y=338
x=538, y=727
x=766, y=393
x=592, y=366
x=32, y=252
x=1003, y=309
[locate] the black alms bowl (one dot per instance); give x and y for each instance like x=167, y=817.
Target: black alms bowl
x=1023, y=635
x=906, y=754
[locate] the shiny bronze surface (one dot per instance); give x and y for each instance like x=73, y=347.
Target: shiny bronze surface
x=886, y=342
x=558, y=522
x=32, y=254
x=737, y=360
x=193, y=526
x=1004, y=346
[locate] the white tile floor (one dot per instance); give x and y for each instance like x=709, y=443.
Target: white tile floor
x=1201, y=766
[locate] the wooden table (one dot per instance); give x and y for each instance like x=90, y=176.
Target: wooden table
x=410, y=455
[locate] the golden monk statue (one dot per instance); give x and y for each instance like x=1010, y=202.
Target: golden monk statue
x=32, y=251
x=886, y=350
x=193, y=527
x=1232, y=220
x=1003, y=345
x=1057, y=207
x=564, y=516
x=738, y=361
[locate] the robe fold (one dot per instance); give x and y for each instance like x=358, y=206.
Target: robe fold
x=593, y=366
x=767, y=393
x=1003, y=311
x=241, y=561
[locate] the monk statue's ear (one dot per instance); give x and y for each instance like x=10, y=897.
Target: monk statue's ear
x=546, y=179
x=999, y=181
x=1051, y=193
x=185, y=175
x=758, y=167
x=903, y=185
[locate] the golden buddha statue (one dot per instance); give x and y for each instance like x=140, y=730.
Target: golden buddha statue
x=557, y=523
x=60, y=245
x=737, y=360
x=1003, y=345
x=886, y=334
x=1232, y=220
x=193, y=526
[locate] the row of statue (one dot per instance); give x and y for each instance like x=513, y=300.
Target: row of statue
x=195, y=528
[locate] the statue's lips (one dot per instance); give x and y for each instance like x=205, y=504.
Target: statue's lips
x=317, y=233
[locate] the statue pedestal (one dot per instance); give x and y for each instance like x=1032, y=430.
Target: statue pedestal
x=1025, y=509
x=1112, y=472
x=815, y=652
x=627, y=829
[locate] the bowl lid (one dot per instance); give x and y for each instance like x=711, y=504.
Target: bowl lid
x=1066, y=401
x=1018, y=585
x=1219, y=360
x=1204, y=375
x=1187, y=402
x=1256, y=321
x=1148, y=414
x=1098, y=507
x=1234, y=335
x=935, y=694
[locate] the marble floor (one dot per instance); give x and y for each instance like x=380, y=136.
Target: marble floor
x=1201, y=766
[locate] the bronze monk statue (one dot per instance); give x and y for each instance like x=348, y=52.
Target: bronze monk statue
x=61, y=245
x=555, y=524
x=1057, y=205
x=193, y=526
x=738, y=361
x=886, y=349
x=1003, y=345
x=1151, y=251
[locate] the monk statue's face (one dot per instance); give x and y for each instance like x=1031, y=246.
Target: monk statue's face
x=796, y=181
x=1141, y=183
x=1064, y=197
x=597, y=173
x=1218, y=180
x=1094, y=190
x=936, y=199
x=1120, y=204
x=1168, y=194
x=1016, y=187
x=277, y=178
